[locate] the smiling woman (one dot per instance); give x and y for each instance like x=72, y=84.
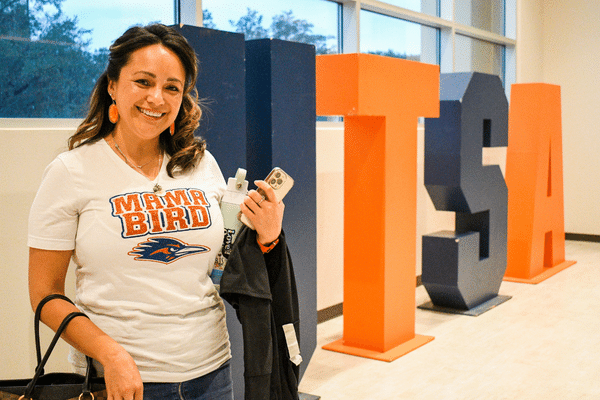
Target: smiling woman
x=135, y=204
x=149, y=91
x=148, y=94
x=149, y=195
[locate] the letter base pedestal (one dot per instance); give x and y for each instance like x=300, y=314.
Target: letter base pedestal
x=548, y=272
x=473, y=311
x=389, y=356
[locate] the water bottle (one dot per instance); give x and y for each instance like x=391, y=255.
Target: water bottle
x=237, y=188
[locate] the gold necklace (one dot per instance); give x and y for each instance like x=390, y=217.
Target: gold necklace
x=157, y=188
x=127, y=159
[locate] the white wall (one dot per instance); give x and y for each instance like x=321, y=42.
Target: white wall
x=27, y=147
x=529, y=41
x=571, y=59
x=330, y=214
x=558, y=43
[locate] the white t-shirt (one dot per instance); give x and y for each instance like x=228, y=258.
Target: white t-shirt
x=142, y=260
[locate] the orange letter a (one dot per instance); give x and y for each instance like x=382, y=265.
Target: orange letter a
x=534, y=176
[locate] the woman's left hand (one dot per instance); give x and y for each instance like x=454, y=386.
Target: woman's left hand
x=266, y=214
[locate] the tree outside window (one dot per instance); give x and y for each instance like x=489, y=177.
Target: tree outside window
x=48, y=66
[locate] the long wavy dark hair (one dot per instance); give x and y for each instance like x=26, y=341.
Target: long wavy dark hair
x=183, y=148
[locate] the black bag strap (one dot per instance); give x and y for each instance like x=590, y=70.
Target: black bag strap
x=39, y=370
x=38, y=313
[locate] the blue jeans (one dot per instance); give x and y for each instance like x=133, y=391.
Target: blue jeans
x=217, y=385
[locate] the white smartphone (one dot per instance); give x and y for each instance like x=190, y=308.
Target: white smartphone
x=281, y=183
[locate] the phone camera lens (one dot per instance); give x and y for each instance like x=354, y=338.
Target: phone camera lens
x=279, y=181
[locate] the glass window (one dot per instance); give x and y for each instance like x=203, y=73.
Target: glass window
x=395, y=37
x=121, y=14
x=479, y=56
x=430, y=7
x=52, y=52
x=483, y=14
x=307, y=21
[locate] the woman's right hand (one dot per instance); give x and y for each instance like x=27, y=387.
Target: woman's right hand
x=122, y=378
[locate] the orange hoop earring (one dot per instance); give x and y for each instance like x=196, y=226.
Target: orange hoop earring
x=172, y=129
x=113, y=113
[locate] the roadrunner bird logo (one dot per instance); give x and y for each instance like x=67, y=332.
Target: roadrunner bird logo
x=165, y=250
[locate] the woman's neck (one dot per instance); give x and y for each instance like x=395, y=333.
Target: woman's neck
x=137, y=151
x=144, y=156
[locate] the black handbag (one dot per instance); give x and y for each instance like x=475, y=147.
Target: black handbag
x=55, y=385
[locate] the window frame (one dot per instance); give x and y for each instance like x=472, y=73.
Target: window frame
x=189, y=12
x=446, y=24
x=448, y=27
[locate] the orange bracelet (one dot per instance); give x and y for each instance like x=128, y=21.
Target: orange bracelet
x=266, y=249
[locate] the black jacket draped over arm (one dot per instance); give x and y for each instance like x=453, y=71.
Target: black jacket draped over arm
x=262, y=290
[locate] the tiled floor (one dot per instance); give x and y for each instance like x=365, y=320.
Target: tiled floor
x=544, y=343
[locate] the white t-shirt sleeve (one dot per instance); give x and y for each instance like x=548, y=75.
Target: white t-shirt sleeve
x=219, y=179
x=54, y=213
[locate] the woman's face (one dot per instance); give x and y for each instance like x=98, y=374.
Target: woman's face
x=148, y=92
